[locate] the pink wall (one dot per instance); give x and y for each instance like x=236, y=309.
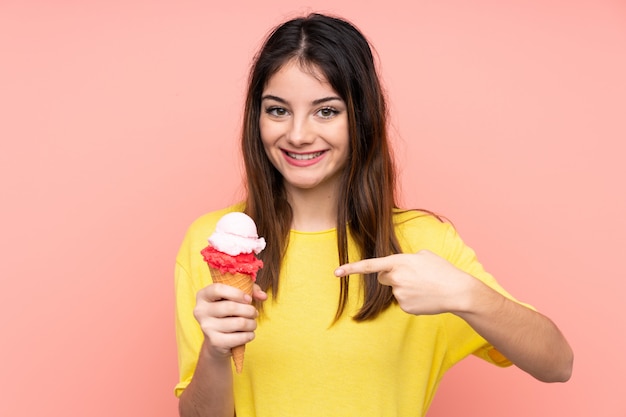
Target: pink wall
x=118, y=126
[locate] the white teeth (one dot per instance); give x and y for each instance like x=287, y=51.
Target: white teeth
x=304, y=157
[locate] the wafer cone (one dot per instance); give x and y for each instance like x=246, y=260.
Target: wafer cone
x=243, y=282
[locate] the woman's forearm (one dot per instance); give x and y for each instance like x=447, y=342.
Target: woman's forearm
x=210, y=392
x=527, y=338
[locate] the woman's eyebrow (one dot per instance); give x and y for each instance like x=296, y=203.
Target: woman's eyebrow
x=314, y=102
x=275, y=98
x=325, y=99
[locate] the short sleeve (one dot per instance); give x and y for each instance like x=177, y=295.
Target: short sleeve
x=463, y=340
x=188, y=333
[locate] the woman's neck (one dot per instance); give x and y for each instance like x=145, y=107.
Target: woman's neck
x=313, y=210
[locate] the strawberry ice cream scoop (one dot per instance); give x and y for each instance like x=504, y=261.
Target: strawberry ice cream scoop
x=245, y=263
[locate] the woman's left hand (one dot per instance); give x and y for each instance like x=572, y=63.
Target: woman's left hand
x=422, y=283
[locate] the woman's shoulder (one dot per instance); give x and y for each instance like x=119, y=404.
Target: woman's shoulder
x=421, y=229
x=421, y=218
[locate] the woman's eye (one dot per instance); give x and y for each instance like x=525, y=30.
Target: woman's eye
x=276, y=111
x=327, y=112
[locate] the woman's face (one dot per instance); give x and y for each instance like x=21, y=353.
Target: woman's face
x=304, y=128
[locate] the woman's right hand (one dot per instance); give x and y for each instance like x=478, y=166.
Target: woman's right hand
x=226, y=316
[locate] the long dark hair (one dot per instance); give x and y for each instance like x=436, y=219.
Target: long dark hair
x=367, y=196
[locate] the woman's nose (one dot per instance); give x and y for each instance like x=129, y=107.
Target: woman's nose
x=299, y=132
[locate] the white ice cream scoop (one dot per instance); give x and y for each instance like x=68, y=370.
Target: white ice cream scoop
x=236, y=233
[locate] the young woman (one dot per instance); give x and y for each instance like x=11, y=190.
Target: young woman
x=361, y=307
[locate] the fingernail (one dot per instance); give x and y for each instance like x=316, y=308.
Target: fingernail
x=247, y=298
x=339, y=272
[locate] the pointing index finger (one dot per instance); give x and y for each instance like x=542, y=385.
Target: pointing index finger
x=365, y=266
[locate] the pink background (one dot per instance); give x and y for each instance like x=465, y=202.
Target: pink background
x=118, y=126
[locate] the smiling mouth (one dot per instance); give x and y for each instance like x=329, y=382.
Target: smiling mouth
x=304, y=156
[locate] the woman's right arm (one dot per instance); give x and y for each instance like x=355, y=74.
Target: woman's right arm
x=210, y=392
x=227, y=319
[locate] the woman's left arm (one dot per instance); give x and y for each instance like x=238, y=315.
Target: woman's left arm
x=424, y=283
x=527, y=338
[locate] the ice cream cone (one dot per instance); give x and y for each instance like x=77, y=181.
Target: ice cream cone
x=231, y=256
x=245, y=283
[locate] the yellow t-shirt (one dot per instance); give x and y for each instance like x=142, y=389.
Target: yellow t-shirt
x=300, y=365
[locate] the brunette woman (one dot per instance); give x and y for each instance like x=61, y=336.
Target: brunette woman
x=361, y=306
